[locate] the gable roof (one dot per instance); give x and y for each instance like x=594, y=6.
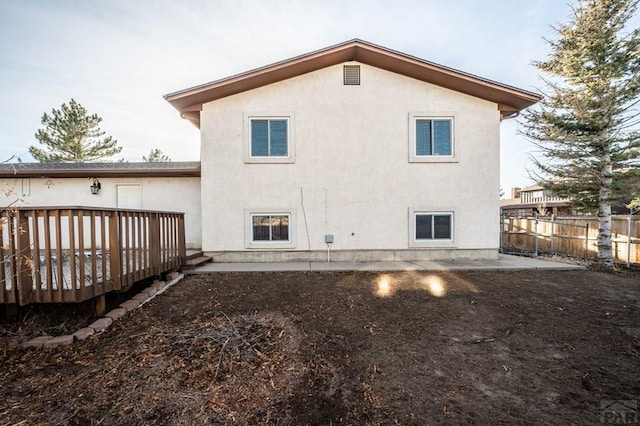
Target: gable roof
x=142, y=169
x=510, y=99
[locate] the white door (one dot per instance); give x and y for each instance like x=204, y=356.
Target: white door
x=129, y=196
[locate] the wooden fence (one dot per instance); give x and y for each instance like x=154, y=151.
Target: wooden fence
x=72, y=254
x=571, y=235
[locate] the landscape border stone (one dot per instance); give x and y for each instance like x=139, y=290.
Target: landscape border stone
x=58, y=341
x=130, y=305
x=116, y=313
x=98, y=326
x=101, y=324
x=36, y=342
x=83, y=333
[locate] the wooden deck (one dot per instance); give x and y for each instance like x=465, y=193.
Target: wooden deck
x=72, y=254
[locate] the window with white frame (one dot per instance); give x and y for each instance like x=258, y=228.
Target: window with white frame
x=269, y=138
x=430, y=226
x=270, y=227
x=431, y=138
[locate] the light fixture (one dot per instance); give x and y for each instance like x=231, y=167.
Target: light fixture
x=95, y=186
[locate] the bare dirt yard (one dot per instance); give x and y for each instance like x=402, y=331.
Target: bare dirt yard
x=412, y=348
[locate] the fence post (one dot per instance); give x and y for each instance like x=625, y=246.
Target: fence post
x=586, y=242
x=536, y=234
x=553, y=217
x=501, y=233
x=629, y=240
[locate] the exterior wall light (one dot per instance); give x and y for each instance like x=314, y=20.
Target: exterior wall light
x=95, y=186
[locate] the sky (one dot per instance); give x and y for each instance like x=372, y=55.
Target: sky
x=119, y=57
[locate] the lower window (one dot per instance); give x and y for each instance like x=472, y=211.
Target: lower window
x=270, y=227
x=433, y=226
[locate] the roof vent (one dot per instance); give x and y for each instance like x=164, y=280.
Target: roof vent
x=352, y=75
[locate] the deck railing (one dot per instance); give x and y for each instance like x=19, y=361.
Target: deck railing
x=72, y=254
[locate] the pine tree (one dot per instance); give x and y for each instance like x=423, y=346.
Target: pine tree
x=586, y=126
x=156, y=156
x=71, y=135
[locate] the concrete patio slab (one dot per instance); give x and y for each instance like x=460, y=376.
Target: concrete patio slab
x=250, y=267
x=504, y=262
x=365, y=266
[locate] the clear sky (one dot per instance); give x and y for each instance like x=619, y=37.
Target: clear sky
x=118, y=57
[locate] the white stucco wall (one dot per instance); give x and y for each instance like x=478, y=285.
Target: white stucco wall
x=352, y=150
x=176, y=194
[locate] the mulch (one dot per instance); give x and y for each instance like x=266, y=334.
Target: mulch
x=296, y=348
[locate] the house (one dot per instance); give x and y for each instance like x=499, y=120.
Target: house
x=171, y=186
x=356, y=152
x=534, y=200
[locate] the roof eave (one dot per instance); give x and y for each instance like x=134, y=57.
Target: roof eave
x=90, y=173
x=509, y=99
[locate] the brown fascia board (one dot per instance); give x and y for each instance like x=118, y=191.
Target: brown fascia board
x=98, y=173
x=510, y=99
x=191, y=99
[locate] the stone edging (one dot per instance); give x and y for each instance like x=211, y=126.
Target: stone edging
x=100, y=325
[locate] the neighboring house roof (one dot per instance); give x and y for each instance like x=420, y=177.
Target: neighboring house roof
x=510, y=99
x=532, y=188
x=37, y=170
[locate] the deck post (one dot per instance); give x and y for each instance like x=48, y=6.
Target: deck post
x=154, y=243
x=182, y=244
x=115, y=250
x=100, y=305
x=23, y=254
x=10, y=295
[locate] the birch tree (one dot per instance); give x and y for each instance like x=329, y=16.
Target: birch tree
x=586, y=127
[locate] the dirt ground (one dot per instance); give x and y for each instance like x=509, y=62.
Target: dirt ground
x=412, y=348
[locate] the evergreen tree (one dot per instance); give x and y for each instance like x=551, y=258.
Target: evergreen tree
x=156, y=156
x=71, y=135
x=586, y=126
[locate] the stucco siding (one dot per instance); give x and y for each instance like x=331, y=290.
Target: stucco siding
x=351, y=176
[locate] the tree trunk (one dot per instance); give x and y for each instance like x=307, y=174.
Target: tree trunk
x=605, y=253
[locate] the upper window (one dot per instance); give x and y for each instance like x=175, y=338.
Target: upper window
x=433, y=226
x=432, y=139
x=269, y=139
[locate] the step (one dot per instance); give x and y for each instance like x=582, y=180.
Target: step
x=193, y=263
x=193, y=254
